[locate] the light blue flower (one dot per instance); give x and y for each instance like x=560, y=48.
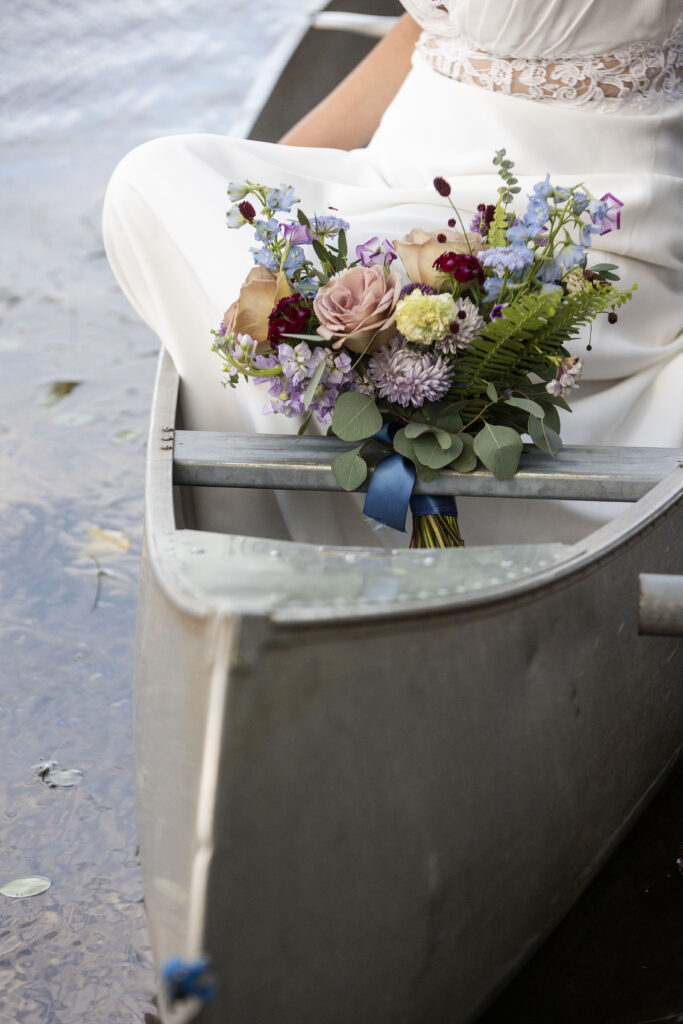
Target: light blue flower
x=266, y=230
x=587, y=230
x=551, y=289
x=561, y=193
x=543, y=189
x=580, y=203
x=493, y=286
x=282, y=198
x=295, y=259
x=570, y=255
x=549, y=269
x=264, y=258
x=537, y=212
x=597, y=208
x=326, y=225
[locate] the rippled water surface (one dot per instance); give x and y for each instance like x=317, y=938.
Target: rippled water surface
x=81, y=82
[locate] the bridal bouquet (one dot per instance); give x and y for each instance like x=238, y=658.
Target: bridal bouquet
x=453, y=361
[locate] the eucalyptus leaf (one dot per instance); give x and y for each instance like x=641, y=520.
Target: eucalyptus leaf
x=543, y=436
x=466, y=460
x=309, y=393
x=491, y=392
x=425, y=474
x=356, y=417
x=552, y=417
x=19, y=888
x=404, y=445
x=413, y=430
x=342, y=244
x=450, y=420
x=349, y=469
x=499, y=448
x=528, y=405
x=430, y=452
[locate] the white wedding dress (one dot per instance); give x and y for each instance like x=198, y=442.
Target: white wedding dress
x=588, y=90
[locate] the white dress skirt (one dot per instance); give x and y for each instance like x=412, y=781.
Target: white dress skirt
x=166, y=238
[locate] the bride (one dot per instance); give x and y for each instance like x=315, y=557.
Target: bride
x=566, y=87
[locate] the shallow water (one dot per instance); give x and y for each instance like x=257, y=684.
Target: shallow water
x=80, y=84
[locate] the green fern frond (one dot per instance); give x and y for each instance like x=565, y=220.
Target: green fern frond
x=498, y=227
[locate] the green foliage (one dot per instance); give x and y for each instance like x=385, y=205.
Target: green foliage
x=498, y=227
x=431, y=452
x=543, y=436
x=309, y=393
x=527, y=405
x=466, y=460
x=499, y=448
x=356, y=417
x=349, y=469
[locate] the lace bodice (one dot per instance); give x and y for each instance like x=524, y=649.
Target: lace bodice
x=569, y=51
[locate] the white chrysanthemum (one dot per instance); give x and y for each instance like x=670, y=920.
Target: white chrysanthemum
x=424, y=318
x=469, y=323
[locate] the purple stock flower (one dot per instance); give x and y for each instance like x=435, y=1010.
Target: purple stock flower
x=373, y=251
x=409, y=376
x=299, y=363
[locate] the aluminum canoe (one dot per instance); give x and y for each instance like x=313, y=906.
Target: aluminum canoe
x=369, y=783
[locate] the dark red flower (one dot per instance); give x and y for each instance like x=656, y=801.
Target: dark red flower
x=442, y=186
x=291, y=315
x=461, y=266
x=247, y=210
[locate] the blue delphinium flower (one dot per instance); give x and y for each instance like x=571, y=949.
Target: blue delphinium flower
x=264, y=258
x=234, y=219
x=552, y=268
x=580, y=203
x=282, y=198
x=543, y=188
x=295, y=259
x=513, y=258
x=537, y=211
x=493, y=286
x=266, y=230
x=521, y=232
x=587, y=230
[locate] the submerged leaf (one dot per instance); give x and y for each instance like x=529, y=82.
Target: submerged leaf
x=18, y=888
x=60, y=389
x=106, y=542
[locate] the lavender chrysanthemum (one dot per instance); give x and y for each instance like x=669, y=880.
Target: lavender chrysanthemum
x=408, y=376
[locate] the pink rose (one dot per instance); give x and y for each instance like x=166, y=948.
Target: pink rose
x=356, y=307
x=419, y=249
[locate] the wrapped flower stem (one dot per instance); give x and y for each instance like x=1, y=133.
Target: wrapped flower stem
x=435, y=523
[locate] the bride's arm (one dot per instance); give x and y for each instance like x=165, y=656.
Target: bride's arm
x=348, y=117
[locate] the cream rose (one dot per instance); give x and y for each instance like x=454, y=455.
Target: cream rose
x=249, y=313
x=419, y=249
x=356, y=307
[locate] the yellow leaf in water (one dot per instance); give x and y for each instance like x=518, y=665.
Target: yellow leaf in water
x=103, y=543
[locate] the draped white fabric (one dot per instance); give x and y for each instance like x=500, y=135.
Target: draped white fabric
x=169, y=247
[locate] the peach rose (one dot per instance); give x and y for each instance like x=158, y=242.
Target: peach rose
x=419, y=249
x=356, y=307
x=249, y=313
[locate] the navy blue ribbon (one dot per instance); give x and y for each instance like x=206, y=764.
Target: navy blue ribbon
x=433, y=505
x=391, y=486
